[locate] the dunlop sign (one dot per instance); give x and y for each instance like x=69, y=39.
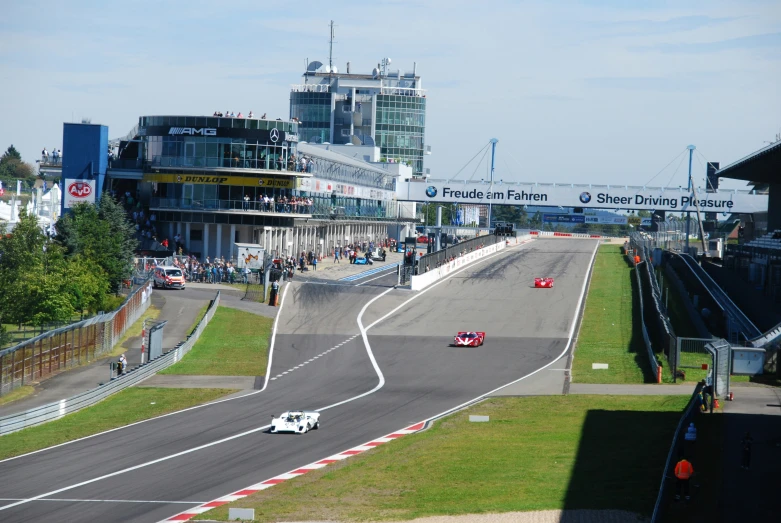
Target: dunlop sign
x=247, y=181
x=597, y=197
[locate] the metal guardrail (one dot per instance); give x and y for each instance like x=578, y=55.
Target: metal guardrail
x=655, y=367
x=747, y=328
x=56, y=410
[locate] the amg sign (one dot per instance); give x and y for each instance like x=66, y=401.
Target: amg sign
x=192, y=131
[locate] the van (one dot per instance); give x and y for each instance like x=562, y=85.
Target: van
x=168, y=277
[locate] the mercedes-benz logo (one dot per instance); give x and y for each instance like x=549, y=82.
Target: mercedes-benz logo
x=178, y=178
x=274, y=135
x=260, y=182
x=431, y=191
x=585, y=197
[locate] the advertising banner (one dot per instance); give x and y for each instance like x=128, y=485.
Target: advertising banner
x=217, y=179
x=563, y=218
x=594, y=197
x=78, y=191
x=328, y=187
x=607, y=220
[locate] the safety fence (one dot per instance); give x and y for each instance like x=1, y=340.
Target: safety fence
x=70, y=346
x=656, y=368
x=672, y=456
x=565, y=234
x=436, y=259
x=56, y=410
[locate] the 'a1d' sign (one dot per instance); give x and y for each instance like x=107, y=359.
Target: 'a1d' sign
x=78, y=191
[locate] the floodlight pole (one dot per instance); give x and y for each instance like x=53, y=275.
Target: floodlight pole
x=689, y=189
x=491, y=185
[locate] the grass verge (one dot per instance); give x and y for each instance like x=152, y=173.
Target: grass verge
x=610, y=331
x=17, y=394
x=235, y=343
x=125, y=407
x=536, y=453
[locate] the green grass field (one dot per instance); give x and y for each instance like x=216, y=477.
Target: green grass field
x=125, y=407
x=235, y=343
x=610, y=331
x=536, y=453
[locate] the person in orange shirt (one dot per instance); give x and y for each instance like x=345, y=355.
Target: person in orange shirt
x=683, y=472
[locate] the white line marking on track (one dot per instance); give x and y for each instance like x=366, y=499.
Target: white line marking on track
x=377, y=278
x=108, y=501
x=264, y=427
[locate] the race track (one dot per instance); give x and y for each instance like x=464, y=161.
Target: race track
x=319, y=361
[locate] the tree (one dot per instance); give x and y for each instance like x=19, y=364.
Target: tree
x=33, y=285
x=10, y=154
x=12, y=168
x=101, y=234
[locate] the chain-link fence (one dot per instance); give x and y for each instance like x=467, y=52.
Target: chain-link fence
x=70, y=346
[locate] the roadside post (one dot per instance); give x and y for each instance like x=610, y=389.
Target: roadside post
x=143, y=342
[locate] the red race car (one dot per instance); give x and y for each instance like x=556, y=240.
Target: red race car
x=469, y=339
x=543, y=283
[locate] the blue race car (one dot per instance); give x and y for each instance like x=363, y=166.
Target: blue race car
x=363, y=261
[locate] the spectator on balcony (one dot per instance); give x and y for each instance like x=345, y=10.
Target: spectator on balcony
x=240, y=115
x=263, y=117
x=233, y=115
x=55, y=155
x=45, y=155
x=246, y=202
x=250, y=115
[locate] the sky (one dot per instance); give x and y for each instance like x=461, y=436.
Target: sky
x=597, y=91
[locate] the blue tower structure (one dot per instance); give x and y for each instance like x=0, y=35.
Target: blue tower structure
x=84, y=163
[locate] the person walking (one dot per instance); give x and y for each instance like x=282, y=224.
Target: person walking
x=336, y=255
x=122, y=368
x=314, y=263
x=746, y=443
x=683, y=472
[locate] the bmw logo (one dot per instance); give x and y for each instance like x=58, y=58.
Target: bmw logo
x=585, y=197
x=431, y=191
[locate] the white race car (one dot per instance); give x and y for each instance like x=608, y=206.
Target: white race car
x=296, y=421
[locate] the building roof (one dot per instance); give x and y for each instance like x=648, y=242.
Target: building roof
x=763, y=165
x=325, y=154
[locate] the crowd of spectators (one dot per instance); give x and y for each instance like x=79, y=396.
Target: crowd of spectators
x=285, y=204
x=231, y=114
x=55, y=157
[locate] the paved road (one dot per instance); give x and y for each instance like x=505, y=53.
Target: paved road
x=319, y=361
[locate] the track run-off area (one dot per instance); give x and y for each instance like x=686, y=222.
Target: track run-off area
x=371, y=358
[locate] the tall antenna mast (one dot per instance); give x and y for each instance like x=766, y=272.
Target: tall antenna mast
x=331, y=50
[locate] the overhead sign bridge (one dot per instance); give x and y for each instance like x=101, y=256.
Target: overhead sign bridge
x=622, y=197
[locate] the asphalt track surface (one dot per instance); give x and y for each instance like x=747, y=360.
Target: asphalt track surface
x=137, y=473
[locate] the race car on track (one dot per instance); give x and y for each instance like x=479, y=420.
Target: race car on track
x=296, y=421
x=543, y=283
x=469, y=339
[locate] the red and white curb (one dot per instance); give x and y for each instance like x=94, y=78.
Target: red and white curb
x=263, y=485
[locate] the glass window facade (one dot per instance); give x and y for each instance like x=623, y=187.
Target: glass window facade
x=204, y=151
x=400, y=128
x=314, y=112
